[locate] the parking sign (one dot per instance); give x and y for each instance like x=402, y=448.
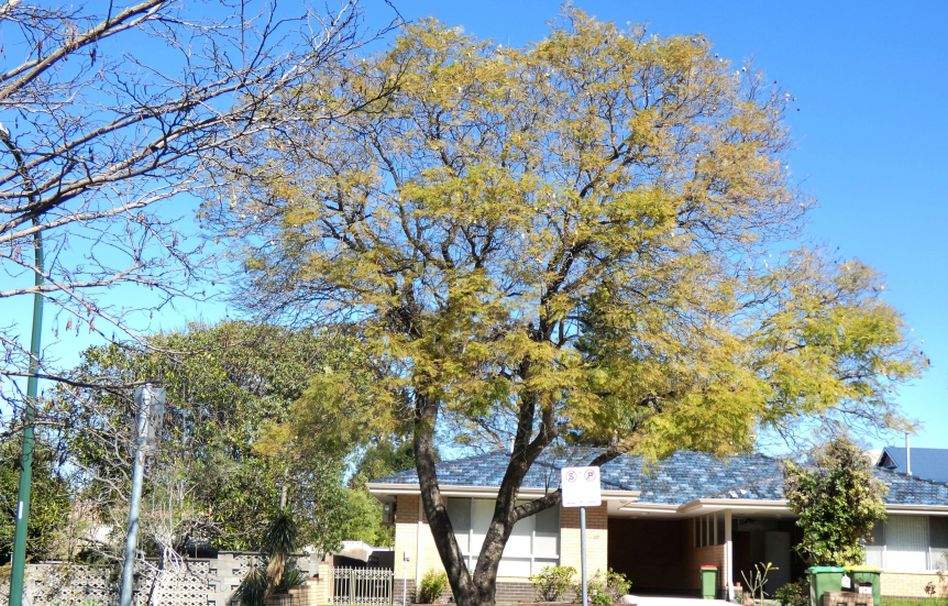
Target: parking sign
x=581, y=487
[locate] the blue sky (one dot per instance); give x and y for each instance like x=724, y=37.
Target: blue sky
x=871, y=133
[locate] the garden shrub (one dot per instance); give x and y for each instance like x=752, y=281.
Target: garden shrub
x=794, y=594
x=432, y=586
x=552, y=582
x=605, y=590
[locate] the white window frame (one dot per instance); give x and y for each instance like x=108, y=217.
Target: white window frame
x=934, y=557
x=533, y=557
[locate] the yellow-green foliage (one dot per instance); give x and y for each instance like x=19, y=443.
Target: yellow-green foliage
x=577, y=231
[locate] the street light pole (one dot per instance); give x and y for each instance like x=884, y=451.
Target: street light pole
x=150, y=402
x=18, y=565
x=26, y=453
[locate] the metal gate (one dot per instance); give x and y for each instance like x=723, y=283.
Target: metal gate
x=362, y=585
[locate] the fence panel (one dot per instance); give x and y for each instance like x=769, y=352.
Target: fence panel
x=362, y=585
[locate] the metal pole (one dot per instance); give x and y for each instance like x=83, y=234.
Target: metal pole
x=582, y=550
x=29, y=418
x=150, y=403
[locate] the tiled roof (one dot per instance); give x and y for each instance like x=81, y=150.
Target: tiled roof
x=683, y=477
x=912, y=490
x=927, y=463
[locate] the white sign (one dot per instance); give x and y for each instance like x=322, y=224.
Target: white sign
x=581, y=487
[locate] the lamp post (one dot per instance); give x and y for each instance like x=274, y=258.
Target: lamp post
x=150, y=403
x=18, y=564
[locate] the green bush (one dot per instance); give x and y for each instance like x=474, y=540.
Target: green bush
x=605, y=590
x=794, y=594
x=552, y=582
x=432, y=586
x=253, y=588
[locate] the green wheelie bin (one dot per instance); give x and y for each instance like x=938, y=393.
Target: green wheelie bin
x=863, y=575
x=822, y=580
x=709, y=581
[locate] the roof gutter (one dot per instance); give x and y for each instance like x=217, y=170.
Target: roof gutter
x=380, y=491
x=935, y=510
x=734, y=504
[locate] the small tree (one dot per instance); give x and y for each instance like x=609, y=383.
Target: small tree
x=837, y=502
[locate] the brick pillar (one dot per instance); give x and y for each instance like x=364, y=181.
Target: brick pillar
x=597, y=539
x=320, y=588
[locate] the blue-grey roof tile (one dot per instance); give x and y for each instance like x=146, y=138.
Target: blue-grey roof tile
x=683, y=477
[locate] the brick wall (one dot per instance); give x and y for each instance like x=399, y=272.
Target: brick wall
x=912, y=585
x=697, y=557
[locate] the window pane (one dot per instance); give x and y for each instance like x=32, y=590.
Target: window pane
x=519, y=542
x=719, y=524
x=878, y=535
x=939, y=532
x=514, y=567
x=481, y=513
x=874, y=556
x=547, y=532
x=906, y=540
x=459, y=510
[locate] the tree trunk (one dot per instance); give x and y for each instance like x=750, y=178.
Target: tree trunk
x=479, y=589
x=426, y=414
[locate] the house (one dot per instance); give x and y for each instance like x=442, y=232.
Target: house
x=927, y=463
x=659, y=524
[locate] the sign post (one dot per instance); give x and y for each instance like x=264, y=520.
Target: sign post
x=581, y=488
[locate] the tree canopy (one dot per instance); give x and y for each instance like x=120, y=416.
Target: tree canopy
x=582, y=238
x=228, y=387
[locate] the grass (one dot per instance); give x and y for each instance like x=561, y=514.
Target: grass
x=914, y=601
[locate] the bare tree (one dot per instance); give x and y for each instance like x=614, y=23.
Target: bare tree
x=105, y=112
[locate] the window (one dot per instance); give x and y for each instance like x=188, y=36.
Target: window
x=709, y=530
x=939, y=533
x=533, y=543
x=909, y=544
x=938, y=541
x=875, y=547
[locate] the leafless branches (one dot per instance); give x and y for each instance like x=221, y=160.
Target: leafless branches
x=107, y=113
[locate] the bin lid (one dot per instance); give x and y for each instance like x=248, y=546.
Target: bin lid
x=863, y=569
x=826, y=569
x=708, y=567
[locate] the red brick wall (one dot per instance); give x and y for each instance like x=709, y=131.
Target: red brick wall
x=406, y=511
x=596, y=517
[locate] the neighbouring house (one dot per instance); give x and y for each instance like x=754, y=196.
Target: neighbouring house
x=926, y=463
x=659, y=524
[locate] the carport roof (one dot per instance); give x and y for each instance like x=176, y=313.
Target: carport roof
x=683, y=477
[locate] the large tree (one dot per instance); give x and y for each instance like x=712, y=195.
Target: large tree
x=581, y=238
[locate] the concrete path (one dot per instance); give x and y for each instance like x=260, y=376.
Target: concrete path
x=648, y=600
